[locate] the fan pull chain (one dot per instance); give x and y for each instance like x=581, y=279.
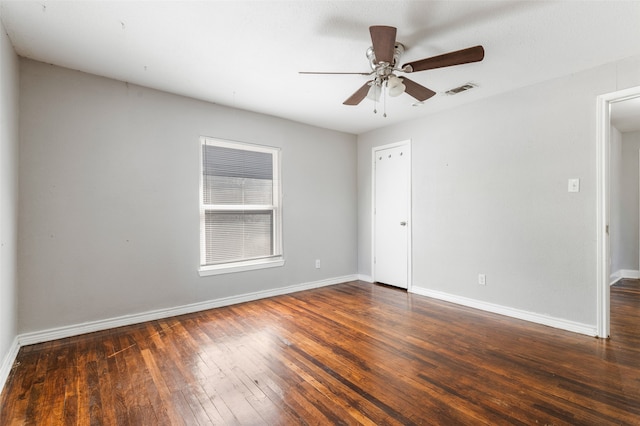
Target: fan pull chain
x=375, y=105
x=384, y=98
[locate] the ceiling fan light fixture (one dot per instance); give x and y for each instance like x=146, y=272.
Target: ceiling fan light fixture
x=395, y=86
x=374, y=92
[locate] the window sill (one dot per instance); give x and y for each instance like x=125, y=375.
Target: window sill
x=229, y=268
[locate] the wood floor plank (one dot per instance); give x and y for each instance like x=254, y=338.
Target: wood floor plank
x=139, y=390
x=36, y=397
x=353, y=354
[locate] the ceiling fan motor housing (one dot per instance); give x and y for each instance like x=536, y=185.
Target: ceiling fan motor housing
x=374, y=64
x=383, y=70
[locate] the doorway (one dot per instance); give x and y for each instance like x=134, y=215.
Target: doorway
x=603, y=209
x=391, y=214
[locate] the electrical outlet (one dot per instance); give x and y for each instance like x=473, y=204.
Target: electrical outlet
x=574, y=185
x=482, y=279
x=317, y=263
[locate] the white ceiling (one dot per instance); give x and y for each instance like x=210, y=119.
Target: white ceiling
x=247, y=54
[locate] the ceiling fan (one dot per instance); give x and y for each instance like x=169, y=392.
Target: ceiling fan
x=384, y=56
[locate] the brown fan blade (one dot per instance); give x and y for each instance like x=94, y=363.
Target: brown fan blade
x=464, y=56
x=359, y=95
x=384, y=41
x=416, y=90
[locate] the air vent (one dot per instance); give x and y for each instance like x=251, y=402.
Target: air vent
x=460, y=89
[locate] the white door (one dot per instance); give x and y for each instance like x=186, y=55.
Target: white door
x=392, y=191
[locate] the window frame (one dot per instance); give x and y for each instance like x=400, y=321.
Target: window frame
x=275, y=260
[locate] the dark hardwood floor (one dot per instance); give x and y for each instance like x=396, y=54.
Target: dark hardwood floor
x=353, y=353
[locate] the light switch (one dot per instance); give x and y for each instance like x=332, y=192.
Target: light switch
x=574, y=185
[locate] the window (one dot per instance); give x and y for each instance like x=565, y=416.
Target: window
x=240, y=215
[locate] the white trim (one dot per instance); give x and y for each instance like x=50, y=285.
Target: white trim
x=365, y=278
x=623, y=274
x=560, y=323
x=90, y=327
x=410, y=220
x=603, y=128
x=250, y=265
x=374, y=150
x=241, y=207
x=603, y=146
x=7, y=362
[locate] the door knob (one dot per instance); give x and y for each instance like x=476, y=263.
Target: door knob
x=403, y=223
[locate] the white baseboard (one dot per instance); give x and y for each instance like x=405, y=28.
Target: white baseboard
x=7, y=362
x=89, y=327
x=365, y=278
x=622, y=274
x=562, y=324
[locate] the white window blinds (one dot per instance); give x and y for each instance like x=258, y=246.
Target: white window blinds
x=239, y=202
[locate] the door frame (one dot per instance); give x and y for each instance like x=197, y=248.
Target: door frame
x=374, y=151
x=603, y=201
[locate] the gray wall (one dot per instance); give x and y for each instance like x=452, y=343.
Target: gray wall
x=109, y=221
x=627, y=249
x=615, y=211
x=8, y=196
x=490, y=195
